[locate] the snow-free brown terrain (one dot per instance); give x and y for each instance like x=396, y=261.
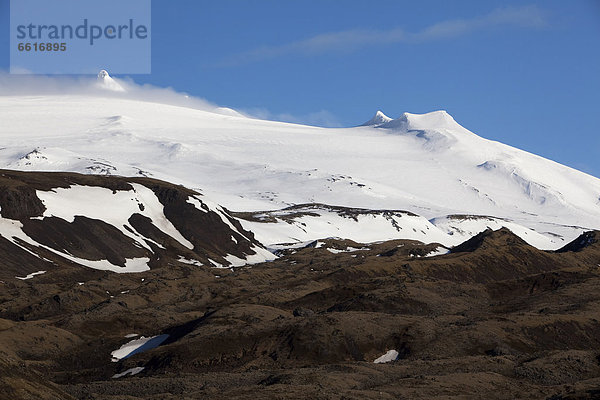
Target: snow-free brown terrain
x=493, y=318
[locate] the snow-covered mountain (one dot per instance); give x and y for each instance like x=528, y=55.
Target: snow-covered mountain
x=454, y=182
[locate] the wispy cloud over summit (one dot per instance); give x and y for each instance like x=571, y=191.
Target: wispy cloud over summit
x=349, y=41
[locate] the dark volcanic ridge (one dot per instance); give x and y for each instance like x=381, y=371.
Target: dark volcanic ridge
x=106, y=222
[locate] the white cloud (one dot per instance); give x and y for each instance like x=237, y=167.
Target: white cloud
x=39, y=85
x=321, y=118
x=36, y=85
x=353, y=40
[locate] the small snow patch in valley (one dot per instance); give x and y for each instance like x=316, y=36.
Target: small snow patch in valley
x=130, y=371
x=440, y=251
x=137, y=346
x=261, y=255
x=391, y=355
x=348, y=250
x=30, y=275
x=190, y=262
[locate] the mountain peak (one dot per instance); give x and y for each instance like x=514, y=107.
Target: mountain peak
x=378, y=119
x=489, y=238
x=105, y=81
x=435, y=120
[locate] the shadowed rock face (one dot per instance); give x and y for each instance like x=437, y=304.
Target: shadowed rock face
x=19, y=202
x=490, y=239
x=495, y=318
x=584, y=241
x=48, y=242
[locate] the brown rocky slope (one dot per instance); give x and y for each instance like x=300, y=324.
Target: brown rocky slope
x=142, y=219
x=495, y=318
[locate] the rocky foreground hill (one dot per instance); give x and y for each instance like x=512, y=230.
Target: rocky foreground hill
x=63, y=221
x=492, y=318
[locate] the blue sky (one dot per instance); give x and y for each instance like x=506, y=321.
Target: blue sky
x=526, y=73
